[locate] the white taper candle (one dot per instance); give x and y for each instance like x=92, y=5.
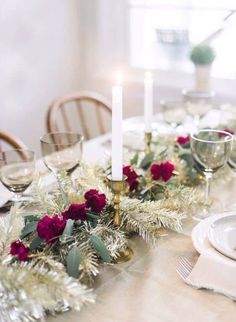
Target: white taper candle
x=117, y=138
x=148, y=101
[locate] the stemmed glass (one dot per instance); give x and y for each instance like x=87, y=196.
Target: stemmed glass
x=173, y=113
x=232, y=158
x=210, y=150
x=17, y=168
x=62, y=151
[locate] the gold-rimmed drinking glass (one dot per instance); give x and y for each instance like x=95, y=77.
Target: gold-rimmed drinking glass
x=62, y=151
x=17, y=169
x=211, y=151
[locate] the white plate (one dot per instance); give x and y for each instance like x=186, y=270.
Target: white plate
x=200, y=235
x=222, y=235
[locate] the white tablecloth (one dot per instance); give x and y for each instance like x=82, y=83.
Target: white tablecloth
x=147, y=288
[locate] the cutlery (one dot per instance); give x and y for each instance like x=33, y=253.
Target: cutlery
x=184, y=268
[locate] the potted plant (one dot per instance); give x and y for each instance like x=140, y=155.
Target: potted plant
x=202, y=56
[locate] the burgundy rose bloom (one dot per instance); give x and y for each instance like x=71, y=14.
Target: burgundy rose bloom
x=183, y=140
x=75, y=212
x=95, y=200
x=230, y=131
x=20, y=250
x=162, y=171
x=49, y=228
x=132, y=176
x=90, y=193
x=156, y=171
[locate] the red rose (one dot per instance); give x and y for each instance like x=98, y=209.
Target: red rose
x=132, y=176
x=75, y=212
x=156, y=171
x=49, y=228
x=183, y=140
x=90, y=193
x=20, y=250
x=162, y=171
x=95, y=200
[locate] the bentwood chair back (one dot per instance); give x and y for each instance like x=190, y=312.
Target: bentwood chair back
x=8, y=141
x=85, y=112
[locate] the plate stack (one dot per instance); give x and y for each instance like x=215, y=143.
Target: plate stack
x=216, y=235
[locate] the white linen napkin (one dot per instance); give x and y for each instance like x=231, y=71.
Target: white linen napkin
x=217, y=273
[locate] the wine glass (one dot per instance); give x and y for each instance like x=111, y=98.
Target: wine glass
x=232, y=158
x=173, y=113
x=17, y=168
x=232, y=165
x=210, y=150
x=198, y=104
x=62, y=151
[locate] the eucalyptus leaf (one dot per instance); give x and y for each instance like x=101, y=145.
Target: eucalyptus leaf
x=184, y=152
x=144, y=191
x=134, y=160
x=29, y=218
x=68, y=228
x=36, y=242
x=31, y=226
x=147, y=160
x=187, y=157
x=92, y=216
x=73, y=261
x=100, y=248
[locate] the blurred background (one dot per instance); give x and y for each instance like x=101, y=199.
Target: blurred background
x=51, y=48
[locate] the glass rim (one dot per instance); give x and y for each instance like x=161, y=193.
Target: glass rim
x=43, y=140
x=229, y=137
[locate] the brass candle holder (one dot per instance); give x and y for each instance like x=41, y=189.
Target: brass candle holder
x=117, y=187
x=148, y=141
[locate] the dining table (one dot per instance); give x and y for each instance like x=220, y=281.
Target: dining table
x=147, y=288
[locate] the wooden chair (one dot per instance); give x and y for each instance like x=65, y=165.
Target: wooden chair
x=85, y=112
x=7, y=140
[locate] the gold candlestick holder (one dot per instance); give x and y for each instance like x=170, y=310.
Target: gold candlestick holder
x=148, y=141
x=117, y=187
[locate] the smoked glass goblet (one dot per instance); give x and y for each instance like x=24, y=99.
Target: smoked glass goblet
x=17, y=168
x=211, y=151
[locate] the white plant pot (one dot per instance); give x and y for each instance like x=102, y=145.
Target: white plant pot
x=203, y=78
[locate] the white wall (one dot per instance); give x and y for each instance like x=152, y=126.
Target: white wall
x=39, y=60
x=52, y=47
x=106, y=48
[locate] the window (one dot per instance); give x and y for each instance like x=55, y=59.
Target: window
x=163, y=31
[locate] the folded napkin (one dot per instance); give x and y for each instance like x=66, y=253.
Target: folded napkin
x=217, y=273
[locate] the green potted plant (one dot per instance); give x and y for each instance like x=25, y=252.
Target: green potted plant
x=202, y=56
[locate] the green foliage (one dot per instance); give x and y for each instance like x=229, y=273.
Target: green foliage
x=100, y=248
x=29, y=228
x=73, y=261
x=36, y=242
x=68, y=228
x=147, y=160
x=134, y=160
x=153, y=192
x=191, y=169
x=202, y=55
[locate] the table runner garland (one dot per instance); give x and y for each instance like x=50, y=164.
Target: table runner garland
x=50, y=258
